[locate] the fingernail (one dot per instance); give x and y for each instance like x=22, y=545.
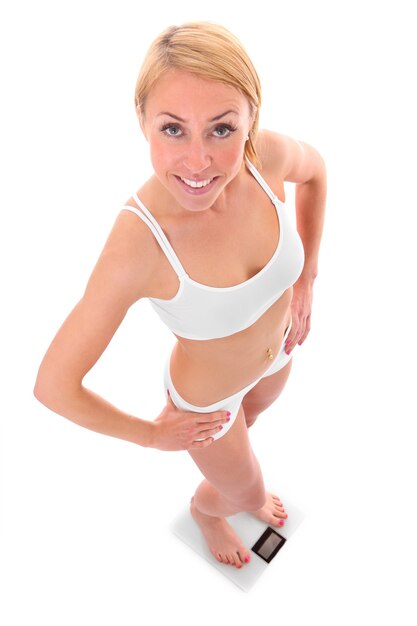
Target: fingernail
x=228, y=413
x=168, y=391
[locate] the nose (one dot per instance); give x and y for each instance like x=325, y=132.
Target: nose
x=197, y=157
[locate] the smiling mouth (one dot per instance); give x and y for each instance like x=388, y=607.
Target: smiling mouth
x=196, y=184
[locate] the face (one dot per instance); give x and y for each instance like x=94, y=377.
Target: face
x=196, y=129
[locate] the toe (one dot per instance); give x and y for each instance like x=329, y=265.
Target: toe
x=244, y=556
x=274, y=521
x=238, y=562
x=280, y=512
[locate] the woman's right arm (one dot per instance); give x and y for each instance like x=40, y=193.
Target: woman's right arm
x=117, y=281
x=121, y=276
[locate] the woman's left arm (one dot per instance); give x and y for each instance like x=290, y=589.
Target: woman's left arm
x=305, y=167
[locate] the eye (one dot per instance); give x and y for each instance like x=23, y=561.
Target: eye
x=167, y=128
x=224, y=130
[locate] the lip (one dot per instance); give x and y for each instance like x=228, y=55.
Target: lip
x=197, y=191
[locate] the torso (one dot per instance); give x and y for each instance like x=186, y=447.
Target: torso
x=237, y=244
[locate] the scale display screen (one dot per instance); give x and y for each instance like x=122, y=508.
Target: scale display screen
x=269, y=544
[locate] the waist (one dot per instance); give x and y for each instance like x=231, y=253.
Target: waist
x=217, y=368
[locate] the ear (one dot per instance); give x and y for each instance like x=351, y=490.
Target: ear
x=141, y=121
x=252, y=117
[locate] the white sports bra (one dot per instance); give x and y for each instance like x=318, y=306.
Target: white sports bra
x=201, y=312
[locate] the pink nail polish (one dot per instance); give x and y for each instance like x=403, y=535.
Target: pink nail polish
x=247, y=559
x=281, y=523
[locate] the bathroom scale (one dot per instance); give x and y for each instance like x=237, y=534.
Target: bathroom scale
x=264, y=542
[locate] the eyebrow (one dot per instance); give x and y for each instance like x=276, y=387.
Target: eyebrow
x=180, y=119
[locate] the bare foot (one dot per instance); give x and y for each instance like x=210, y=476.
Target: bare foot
x=221, y=539
x=272, y=511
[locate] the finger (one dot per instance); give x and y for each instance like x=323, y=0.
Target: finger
x=306, y=330
x=288, y=348
x=206, y=427
x=291, y=341
x=292, y=336
x=298, y=335
x=201, y=444
x=205, y=432
x=213, y=419
x=301, y=331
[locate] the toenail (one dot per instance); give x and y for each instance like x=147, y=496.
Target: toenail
x=281, y=523
x=247, y=559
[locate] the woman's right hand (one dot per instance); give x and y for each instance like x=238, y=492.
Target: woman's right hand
x=175, y=429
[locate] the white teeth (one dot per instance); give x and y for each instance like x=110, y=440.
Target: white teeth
x=195, y=184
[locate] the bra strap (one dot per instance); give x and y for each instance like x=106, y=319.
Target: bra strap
x=147, y=217
x=263, y=182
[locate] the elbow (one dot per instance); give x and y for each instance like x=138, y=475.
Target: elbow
x=42, y=389
x=48, y=390
x=55, y=391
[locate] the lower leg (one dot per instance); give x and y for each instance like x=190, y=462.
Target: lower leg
x=229, y=465
x=209, y=508
x=210, y=501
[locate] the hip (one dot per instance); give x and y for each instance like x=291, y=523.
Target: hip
x=230, y=403
x=223, y=372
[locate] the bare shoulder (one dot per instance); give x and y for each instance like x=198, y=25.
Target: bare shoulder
x=293, y=160
x=127, y=261
x=119, y=278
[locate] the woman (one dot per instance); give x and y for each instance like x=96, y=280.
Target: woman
x=222, y=264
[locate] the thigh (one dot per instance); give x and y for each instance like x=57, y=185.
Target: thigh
x=229, y=463
x=266, y=391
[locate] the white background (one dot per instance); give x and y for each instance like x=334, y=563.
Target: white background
x=85, y=517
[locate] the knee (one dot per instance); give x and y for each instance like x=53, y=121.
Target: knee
x=251, y=415
x=252, y=499
x=253, y=502
x=251, y=419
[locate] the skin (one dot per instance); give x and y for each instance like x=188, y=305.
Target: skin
x=222, y=223
x=186, y=143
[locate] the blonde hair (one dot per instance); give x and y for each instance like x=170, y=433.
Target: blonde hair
x=209, y=51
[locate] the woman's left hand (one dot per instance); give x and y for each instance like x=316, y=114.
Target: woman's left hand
x=301, y=304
